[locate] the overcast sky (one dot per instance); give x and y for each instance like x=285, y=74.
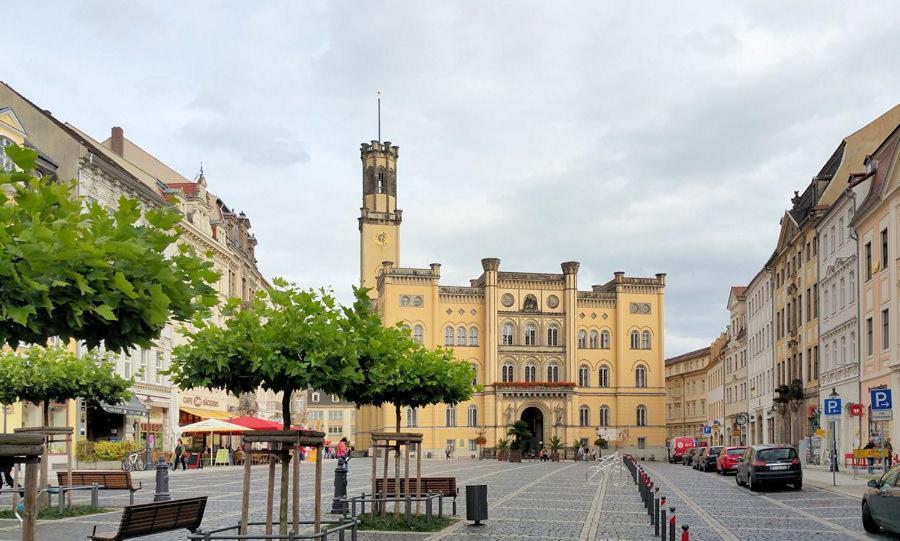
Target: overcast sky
x=652, y=138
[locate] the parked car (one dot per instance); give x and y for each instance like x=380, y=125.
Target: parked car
x=697, y=459
x=881, y=503
x=680, y=445
x=769, y=463
x=688, y=458
x=708, y=458
x=728, y=459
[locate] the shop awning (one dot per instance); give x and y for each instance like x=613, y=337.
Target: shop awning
x=255, y=423
x=205, y=414
x=132, y=407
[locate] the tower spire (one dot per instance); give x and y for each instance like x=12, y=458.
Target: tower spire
x=379, y=115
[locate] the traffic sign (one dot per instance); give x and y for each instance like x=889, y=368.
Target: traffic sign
x=882, y=404
x=707, y=429
x=833, y=407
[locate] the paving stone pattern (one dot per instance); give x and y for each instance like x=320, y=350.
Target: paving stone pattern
x=528, y=501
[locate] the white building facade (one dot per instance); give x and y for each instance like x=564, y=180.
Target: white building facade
x=761, y=358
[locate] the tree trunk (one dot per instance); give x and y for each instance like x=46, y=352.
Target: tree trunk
x=397, y=416
x=286, y=409
x=397, y=467
x=285, y=467
x=44, y=498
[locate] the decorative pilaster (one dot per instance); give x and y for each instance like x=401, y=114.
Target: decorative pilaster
x=570, y=304
x=491, y=266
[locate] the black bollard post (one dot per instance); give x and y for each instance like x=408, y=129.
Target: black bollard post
x=162, y=482
x=685, y=536
x=661, y=518
x=672, y=524
x=338, y=503
x=655, y=513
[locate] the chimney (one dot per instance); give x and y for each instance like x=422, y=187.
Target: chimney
x=117, y=141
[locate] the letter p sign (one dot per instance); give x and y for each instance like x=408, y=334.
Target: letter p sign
x=881, y=399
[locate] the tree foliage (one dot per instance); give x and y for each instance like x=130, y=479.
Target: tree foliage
x=520, y=431
x=40, y=375
x=73, y=270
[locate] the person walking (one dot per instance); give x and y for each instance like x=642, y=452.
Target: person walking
x=341, y=452
x=870, y=460
x=890, y=453
x=668, y=451
x=6, y=466
x=179, y=456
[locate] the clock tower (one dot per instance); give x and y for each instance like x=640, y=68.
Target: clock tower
x=379, y=220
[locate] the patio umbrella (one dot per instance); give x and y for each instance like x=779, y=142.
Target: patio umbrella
x=213, y=426
x=255, y=423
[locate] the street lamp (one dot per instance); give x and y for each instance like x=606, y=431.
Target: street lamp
x=834, y=460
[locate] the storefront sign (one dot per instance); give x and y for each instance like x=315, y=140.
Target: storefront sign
x=869, y=453
x=199, y=401
x=856, y=410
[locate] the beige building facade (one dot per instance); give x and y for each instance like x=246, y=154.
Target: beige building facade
x=686, y=393
x=572, y=363
x=735, y=370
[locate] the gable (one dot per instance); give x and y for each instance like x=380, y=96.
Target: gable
x=10, y=126
x=788, y=231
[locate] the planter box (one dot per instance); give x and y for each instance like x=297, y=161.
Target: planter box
x=502, y=456
x=515, y=456
x=554, y=456
x=102, y=465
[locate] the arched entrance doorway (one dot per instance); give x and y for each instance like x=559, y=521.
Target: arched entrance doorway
x=535, y=419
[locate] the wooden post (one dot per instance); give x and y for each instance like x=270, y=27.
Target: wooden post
x=318, y=503
x=44, y=500
x=245, y=499
x=407, y=486
x=15, y=497
x=374, y=473
x=283, y=496
x=418, y=474
x=270, y=496
x=29, y=517
x=397, y=480
x=296, y=491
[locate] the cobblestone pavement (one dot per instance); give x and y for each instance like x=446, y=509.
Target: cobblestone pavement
x=528, y=501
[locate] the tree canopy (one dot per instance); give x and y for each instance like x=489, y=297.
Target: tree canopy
x=39, y=375
x=73, y=270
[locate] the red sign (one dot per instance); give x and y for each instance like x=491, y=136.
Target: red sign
x=856, y=410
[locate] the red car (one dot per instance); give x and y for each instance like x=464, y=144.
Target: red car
x=729, y=459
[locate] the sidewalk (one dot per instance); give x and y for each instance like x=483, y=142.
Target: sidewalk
x=820, y=477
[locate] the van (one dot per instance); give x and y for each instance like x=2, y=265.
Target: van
x=681, y=445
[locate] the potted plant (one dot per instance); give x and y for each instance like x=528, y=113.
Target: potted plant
x=576, y=445
x=520, y=432
x=555, y=445
x=503, y=449
x=480, y=441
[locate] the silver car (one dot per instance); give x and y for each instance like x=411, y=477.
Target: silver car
x=881, y=503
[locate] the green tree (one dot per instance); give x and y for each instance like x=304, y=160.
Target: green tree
x=73, y=270
x=520, y=432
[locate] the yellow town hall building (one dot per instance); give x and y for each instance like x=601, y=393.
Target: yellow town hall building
x=571, y=363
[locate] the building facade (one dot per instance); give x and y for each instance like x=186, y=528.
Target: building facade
x=686, y=394
x=715, y=402
x=329, y=414
x=571, y=363
x=760, y=359
x=875, y=224
x=735, y=369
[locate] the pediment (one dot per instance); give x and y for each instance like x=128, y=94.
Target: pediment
x=10, y=121
x=788, y=231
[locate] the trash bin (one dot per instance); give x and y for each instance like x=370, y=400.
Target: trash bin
x=476, y=503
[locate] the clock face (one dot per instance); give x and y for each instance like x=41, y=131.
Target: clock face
x=382, y=238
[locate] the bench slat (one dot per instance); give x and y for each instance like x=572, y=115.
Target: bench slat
x=157, y=517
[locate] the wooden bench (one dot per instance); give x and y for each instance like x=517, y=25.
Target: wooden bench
x=445, y=486
x=107, y=480
x=157, y=517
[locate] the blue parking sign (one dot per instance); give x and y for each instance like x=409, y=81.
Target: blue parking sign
x=881, y=399
x=833, y=407
x=707, y=429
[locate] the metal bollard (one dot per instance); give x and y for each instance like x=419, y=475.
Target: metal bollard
x=339, y=501
x=662, y=519
x=685, y=536
x=650, y=500
x=95, y=495
x=655, y=513
x=672, y=524
x=162, y=482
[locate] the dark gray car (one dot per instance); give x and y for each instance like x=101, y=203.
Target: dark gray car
x=881, y=503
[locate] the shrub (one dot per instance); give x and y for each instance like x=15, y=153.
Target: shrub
x=98, y=451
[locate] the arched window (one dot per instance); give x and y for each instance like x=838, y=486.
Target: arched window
x=508, y=372
x=472, y=416
x=6, y=163
x=412, y=417
x=419, y=333
x=474, y=374
x=604, y=416
x=645, y=340
x=851, y=291
x=584, y=376
x=635, y=340
x=552, y=372
x=448, y=336
x=530, y=334
x=604, y=340
x=584, y=416
x=507, y=333
x=473, y=336
x=530, y=372
x=461, y=336
x=640, y=377
x=604, y=376
x=450, y=416
x=582, y=339
x=642, y=415
x=553, y=335
x=594, y=340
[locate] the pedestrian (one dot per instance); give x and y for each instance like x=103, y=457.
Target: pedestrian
x=890, y=453
x=668, y=451
x=341, y=452
x=447, y=452
x=870, y=460
x=579, y=454
x=6, y=466
x=179, y=456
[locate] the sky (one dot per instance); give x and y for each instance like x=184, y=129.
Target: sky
x=644, y=137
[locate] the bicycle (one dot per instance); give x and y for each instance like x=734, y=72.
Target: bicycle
x=608, y=469
x=133, y=462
